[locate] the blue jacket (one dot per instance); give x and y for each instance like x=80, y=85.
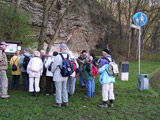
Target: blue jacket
x=20, y=63
x=104, y=77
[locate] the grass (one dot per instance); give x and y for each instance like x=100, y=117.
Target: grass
x=129, y=104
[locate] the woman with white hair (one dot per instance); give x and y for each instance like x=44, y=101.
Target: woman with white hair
x=35, y=69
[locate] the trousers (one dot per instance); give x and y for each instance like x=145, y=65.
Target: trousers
x=107, y=92
x=61, y=92
x=3, y=82
x=34, y=84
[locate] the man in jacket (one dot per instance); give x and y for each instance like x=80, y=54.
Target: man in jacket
x=3, y=68
x=60, y=81
x=81, y=60
x=25, y=76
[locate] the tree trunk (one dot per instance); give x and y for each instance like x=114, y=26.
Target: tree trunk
x=120, y=25
x=54, y=37
x=130, y=33
x=50, y=44
x=48, y=7
x=109, y=25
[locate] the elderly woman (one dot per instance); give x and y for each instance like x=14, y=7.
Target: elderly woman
x=15, y=70
x=35, y=69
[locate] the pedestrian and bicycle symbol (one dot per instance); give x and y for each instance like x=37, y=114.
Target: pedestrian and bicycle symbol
x=140, y=19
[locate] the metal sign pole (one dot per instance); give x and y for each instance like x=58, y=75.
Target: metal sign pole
x=139, y=56
x=140, y=19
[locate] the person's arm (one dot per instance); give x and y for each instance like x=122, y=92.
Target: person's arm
x=20, y=63
x=6, y=61
x=102, y=69
x=1, y=56
x=29, y=66
x=56, y=63
x=90, y=72
x=47, y=63
x=41, y=70
x=11, y=61
x=77, y=65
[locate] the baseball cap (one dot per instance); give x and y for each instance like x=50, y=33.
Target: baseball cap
x=63, y=46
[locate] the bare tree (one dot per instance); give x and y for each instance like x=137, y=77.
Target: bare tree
x=48, y=6
x=58, y=27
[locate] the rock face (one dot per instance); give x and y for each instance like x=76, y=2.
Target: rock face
x=82, y=28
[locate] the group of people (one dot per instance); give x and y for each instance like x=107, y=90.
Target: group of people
x=37, y=69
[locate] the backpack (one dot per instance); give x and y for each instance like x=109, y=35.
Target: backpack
x=74, y=66
x=36, y=64
x=14, y=67
x=112, y=68
x=50, y=66
x=94, y=69
x=26, y=61
x=67, y=67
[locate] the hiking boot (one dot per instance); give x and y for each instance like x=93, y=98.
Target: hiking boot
x=47, y=94
x=32, y=93
x=112, y=105
x=103, y=105
x=57, y=105
x=36, y=94
x=65, y=104
x=70, y=96
x=5, y=96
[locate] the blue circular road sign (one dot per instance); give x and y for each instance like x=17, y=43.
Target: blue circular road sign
x=140, y=19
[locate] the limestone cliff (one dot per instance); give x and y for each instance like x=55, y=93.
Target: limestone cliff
x=82, y=28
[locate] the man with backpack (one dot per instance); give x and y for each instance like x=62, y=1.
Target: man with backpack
x=3, y=68
x=89, y=76
x=106, y=80
x=23, y=62
x=60, y=76
x=81, y=60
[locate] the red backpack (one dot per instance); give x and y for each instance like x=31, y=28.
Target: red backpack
x=94, y=70
x=74, y=66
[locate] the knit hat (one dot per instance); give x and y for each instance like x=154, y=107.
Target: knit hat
x=26, y=49
x=106, y=51
x=83, y=51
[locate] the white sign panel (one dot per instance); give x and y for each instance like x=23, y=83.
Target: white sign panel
x=11, y=48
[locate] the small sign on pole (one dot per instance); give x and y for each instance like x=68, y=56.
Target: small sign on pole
x=140, y=19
